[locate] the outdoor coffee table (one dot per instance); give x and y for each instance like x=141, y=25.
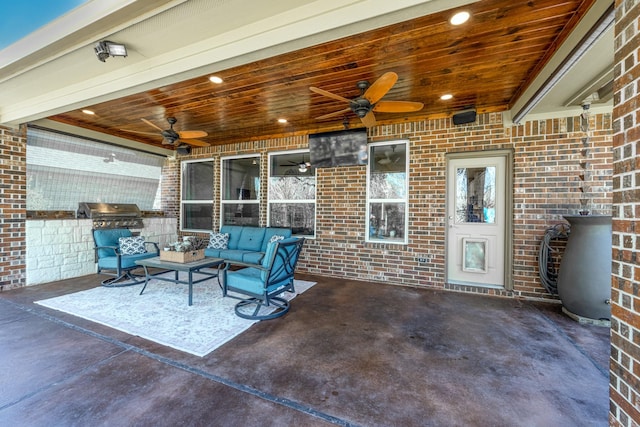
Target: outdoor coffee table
x=177, y=267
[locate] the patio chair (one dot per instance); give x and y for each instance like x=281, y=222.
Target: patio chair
x=117, y=258
x=261, y=285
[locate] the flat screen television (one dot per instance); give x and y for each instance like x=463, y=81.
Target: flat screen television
x=339, y=148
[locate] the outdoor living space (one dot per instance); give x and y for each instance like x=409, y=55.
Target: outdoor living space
x=437, y=158
x=348, y=353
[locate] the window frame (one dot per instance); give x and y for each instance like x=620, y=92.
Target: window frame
x=255, y=201
x=370, y=200
x=302, y=152
x=183, y=165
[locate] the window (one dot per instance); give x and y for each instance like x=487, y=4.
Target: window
x=387, y=192
x=240, y=194
x=476, y=195
x=196, y=213
x=292, y=192
x=64, y=170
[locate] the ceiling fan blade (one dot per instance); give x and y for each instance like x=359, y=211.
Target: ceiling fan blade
x=369, y=120
x=380, y=87
x=336, y=113
x=151, y=124
x=397, y=106
x=328, y=94
x=195, y=142
x=139, y=132
x=190, y=134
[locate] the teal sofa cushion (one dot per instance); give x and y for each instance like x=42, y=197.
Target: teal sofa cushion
x=234, y=234
x=247, y=243
x=251, y=238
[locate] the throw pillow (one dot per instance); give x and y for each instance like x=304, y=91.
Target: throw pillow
x=275, y=238
x=132, y=245
x=218, y=240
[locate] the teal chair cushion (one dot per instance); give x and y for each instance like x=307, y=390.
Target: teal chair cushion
x=109, y=237
x=126, y=261
x=248, y=280
x=276, y=261
x=274, y=231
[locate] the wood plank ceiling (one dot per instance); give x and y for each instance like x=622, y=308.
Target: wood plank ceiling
x=485, y=63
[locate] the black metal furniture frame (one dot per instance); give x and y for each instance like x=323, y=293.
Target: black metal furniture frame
x=188, y=267
x=276, y=275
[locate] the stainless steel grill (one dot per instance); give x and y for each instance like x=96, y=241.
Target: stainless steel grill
x=111, y=215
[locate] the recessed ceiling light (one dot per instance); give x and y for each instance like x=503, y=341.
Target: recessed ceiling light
x=215, y=79
x=282, y=120
x=89, y=112
x=446, y=97
x=460, y=18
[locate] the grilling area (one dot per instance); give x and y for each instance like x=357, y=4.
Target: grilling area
x=69, y=250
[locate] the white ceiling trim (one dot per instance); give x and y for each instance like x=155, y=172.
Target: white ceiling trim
x=593, y=15
x=316, y=22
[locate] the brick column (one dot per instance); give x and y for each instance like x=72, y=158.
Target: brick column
x=625, y=321
x=170, y=184
x=13, y=207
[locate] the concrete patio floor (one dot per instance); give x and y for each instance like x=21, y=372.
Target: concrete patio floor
x=348, y=353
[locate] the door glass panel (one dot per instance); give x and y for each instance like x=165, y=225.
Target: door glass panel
x=475, y=199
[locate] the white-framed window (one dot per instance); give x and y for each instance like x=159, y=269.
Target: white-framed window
x=240, y=190
x=196, y=202
x=387, y=192
x=292, y=192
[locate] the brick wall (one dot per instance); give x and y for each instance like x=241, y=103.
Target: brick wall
x=13, y=207
x=552, y=173
x=625, y=322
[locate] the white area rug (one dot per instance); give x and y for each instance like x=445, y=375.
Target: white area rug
x=162, y=313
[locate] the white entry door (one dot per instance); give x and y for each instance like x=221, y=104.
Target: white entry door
x=476, y=220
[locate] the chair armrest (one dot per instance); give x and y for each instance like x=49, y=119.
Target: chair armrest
x=115, y=249
x=155, y=245
x=228, y=264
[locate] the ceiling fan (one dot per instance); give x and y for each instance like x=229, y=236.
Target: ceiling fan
x=302, y=166
x=369, y=100
x=390, y=156
x=172, y=136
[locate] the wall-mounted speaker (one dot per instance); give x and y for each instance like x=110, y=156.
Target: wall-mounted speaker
x=464, y=117
x=183, y=149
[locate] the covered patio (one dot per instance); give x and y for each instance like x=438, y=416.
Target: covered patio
x=385, y=337
x=348, y=353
